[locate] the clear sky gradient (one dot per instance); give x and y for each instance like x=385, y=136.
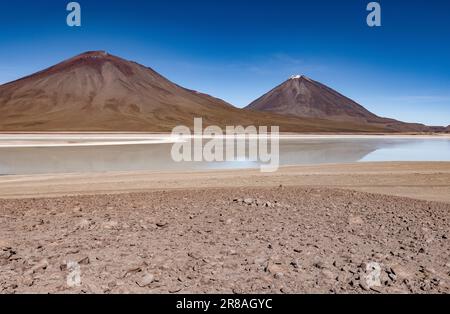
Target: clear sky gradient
x=239, y=49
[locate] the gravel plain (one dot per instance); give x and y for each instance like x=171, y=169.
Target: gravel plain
x=227, y=240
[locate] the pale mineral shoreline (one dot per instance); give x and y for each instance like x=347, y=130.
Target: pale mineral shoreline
x=74, y=139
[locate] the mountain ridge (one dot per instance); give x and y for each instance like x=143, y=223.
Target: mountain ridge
x=97, y=91
x=303, y=97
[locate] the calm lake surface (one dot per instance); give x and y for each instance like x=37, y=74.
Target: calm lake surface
x=157, y=157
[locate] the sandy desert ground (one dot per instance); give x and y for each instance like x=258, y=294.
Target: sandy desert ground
x=355, y=228
x=249, y=240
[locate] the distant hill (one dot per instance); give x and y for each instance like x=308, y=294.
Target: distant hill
x=303, y=97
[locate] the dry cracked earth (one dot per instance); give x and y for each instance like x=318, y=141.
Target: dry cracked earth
x=285, y=240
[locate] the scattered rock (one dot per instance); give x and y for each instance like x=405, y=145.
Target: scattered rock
x=175, y=289
x=84, y=224
x=260, y=261
x=194, y=255
x=248, y=201
x=111, y=225
x=84, y=261
x=295, y=263
x=355, y=220
x=320, y=265
x=162, y=224
x=132, y=270
x=28, y=281
x=145, y=280
x=4, y=245
x=328, y=274
x=273, y=268
x=41, y=265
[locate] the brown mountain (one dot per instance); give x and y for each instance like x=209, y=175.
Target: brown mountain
x=303, y=97
x=96, y=91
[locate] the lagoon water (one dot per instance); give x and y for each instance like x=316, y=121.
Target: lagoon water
x=156, y=156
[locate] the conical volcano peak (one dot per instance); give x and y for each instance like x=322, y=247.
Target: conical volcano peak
x=93, y=54
x=97, y=60
x=303, y=97
x=98, y=90
x=300, y=77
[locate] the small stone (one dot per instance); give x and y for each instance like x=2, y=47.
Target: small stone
x=378, y=256
x=363, y=285
x=162, y=224
x=175, y=289
x=355, y=220
x=4, y=245
x=84, y=224
x=328, y=274
x=193, y=255
x=400, y=272
x=146, y=280
x=260, y=261
x=84, y=261
x=279, y=275
x=28, y=281
x=377, y=289
x=110, y=225
x=248, y=201
x=41, y=265
x=320, y=265
x=392, y=276
x=295, y=263
x=273, y=269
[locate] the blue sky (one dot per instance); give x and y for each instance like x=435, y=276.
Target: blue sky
x=239, y=49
